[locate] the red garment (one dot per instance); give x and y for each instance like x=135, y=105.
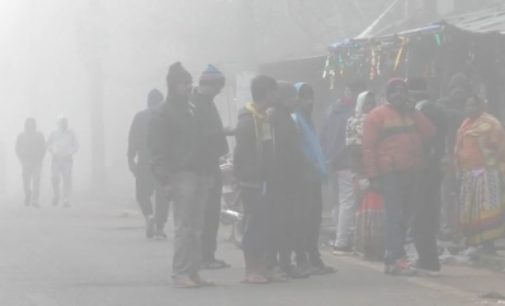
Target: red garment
x=393, y=141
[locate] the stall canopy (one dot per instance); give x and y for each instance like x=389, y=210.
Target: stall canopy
x=472, y=44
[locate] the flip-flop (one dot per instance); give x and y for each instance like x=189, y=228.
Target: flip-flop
x=186, y=284
x=216, y=265
x=256, y=279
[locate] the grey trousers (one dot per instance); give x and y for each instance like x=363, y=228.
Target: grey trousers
x=31, y=183
x=189, y=190
x=62, y=170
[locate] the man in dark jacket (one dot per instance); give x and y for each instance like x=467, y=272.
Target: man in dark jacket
x=340, y=175
x=292, y=172
x=253, y=167
x=139, y=161
x=427, y=213
x=174, y=140
x=214, y=145
x=31, y=149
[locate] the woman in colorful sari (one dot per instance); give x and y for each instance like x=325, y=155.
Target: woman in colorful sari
x=480, y=161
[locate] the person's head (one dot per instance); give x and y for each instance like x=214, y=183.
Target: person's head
x=351, y=91
x=306, y=97
x=179, y=82
x=264, y=91
x=287, y=96
x=397, y=94
x=474, y=106
x=459, y=81
x=154, y=98
x=62, y=123
x=457, y=97
x=365, y=102
x=418, y=88
x=211, y=81
x=30, y=125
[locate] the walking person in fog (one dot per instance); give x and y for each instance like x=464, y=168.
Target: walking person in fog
x=139, y=161
x=174, y=140
x=31, y=149
x=213, y=146
x=62, y=145
x=393, y=138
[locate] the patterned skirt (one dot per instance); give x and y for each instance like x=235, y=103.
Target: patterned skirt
x=369, y=236
x=482, y=210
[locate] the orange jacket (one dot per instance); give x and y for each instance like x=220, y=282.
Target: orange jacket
x=393, y=141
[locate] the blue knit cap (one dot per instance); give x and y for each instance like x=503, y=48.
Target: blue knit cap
x=212, y=74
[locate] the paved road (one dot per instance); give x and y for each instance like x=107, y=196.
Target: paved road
x=96, y=255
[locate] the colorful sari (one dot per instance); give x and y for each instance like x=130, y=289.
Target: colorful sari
x=480, y=153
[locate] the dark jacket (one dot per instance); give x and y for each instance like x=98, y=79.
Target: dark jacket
x=137, y=139
x=292, y=167
x=333, y=136
x=31, y=148
x=174, y=139
x=214, y=144
x=435, y=149
x=252, y=158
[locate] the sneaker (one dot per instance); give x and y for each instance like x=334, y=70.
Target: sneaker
x=400, y=268
x=150, y=227
x=160, y=235
x=427, y=272
x=322, y=269
x=342, y=250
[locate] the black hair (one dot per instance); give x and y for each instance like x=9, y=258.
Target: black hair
x=154, y=98
x=356, y=86
x=306, y=92
x=261, y=86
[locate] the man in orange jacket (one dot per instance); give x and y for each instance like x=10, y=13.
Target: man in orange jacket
x=393, y=139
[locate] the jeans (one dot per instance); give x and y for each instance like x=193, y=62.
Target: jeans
x=62, y=169
x=212, y=214
x=344, y=213
x=146, y=187
x=189, y=190
x=31, y=183
x=427, y=219
x=400, y=192
x=257, y=240
x=312, y=218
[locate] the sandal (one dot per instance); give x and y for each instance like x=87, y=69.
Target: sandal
x=256, y=279
x=185, y=283
x=215, y=265
x=201, y=282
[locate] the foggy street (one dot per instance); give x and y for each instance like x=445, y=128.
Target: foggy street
x=41, y=264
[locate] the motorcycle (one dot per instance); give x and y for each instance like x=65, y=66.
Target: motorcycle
x=231, y=207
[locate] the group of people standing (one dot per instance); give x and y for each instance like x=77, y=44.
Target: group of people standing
x=174, y=152
x=31, y=147
x=398, y=153
x=404, y=153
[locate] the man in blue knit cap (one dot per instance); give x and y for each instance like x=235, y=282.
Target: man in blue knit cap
x=213, y=146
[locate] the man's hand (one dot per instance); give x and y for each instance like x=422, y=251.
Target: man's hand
x=133, y=167
x=228, y=131
x=374, y=184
